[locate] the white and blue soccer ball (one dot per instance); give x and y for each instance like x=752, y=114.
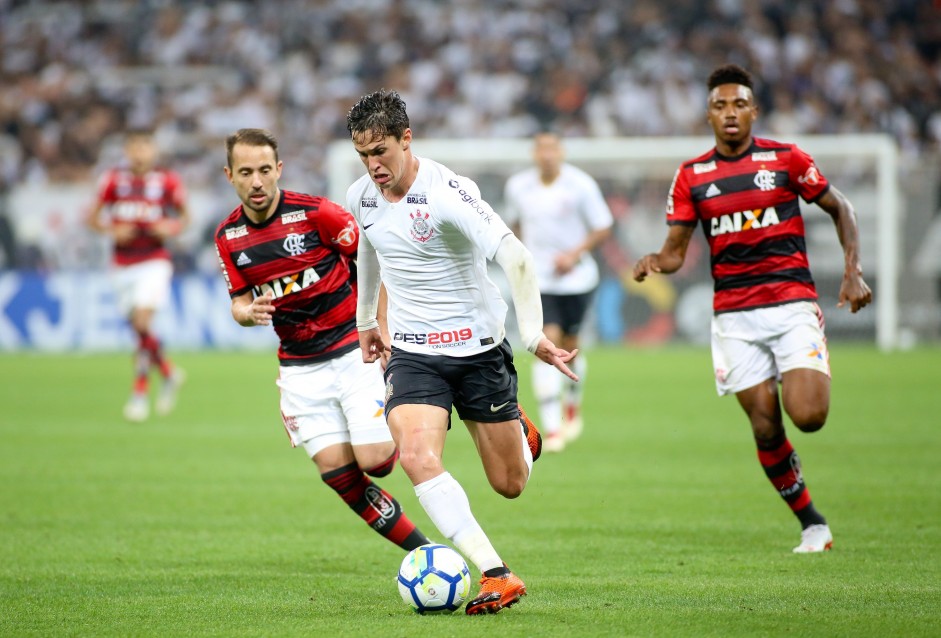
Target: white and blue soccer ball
x=434, y=578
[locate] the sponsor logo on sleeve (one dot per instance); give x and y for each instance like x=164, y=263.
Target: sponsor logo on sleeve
x=347, y=236
x=810, y=177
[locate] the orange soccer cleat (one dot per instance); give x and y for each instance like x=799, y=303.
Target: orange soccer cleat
x=532, y=434
x=496, y=592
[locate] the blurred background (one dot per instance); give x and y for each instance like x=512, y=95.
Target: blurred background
x=76, y=75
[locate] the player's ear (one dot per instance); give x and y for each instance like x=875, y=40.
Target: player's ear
x=228, y=173
x=406, y=139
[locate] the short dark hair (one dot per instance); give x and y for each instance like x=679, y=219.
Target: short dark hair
x=730, y=74
x=251, y=137
x=381, y=113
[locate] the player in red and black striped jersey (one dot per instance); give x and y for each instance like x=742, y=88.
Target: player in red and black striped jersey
x=767, y=327
x=288, y=261
x=140, y=206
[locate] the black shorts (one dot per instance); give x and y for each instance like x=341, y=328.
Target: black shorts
x=481, y=387
x=566, y=311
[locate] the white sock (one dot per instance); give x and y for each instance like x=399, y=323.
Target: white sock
x=547, y=386
x=573, y=391
x=448, y=508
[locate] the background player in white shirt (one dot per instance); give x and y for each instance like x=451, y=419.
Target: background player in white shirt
x=431, y=235
x=562, y=217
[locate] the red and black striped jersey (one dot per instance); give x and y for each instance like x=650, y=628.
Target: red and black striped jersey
x=303, y=254
x=749, y=210
x=141, y=200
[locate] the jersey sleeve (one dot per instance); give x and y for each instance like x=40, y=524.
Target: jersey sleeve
x=594, y=207
x=233, y=279
x=337, y=228
x=805, y=177
x=459, y=203
x=176, y=190
x=680, y=209
x=511, y=211
x=105, y=191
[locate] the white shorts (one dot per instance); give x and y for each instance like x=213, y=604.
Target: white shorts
x=335, y=401
x=751, y=346
x=143, y=285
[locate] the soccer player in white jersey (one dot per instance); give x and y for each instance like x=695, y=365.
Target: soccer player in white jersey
x=562, y=217
x=430, y=234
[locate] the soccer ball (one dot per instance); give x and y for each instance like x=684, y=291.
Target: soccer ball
x=434, y=578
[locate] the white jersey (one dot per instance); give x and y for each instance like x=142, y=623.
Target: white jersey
x=556, y=218
x=433, y=246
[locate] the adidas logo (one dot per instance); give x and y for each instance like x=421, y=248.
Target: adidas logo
x=243, y=260
x=713, y=190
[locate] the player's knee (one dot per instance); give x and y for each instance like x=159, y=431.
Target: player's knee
x=809, y=418
x=509, y=486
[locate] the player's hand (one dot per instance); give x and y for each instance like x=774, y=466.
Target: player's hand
x=372, y=346
x=854, y=290
x=646, y=265
x=261, y=310
x=166, y=228
x=565, y=262
x=556, y=357
x=123, y=233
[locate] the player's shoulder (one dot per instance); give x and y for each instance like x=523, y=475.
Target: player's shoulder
x=763, y=144
x=233, y=226
x=697, y=163
x=576, y=175
x=296, y=200
x=358, y=188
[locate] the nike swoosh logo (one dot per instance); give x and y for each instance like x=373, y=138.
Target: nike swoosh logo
x=365, y=226
x=497, y=408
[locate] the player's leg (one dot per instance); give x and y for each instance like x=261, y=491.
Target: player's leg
x=574, y=310
x=340, y=470
x=126, y=281
x=315, y=419
x=548, y=384
x=418, y=410
x=801, y=354
x=744, y=366
x=152, y=291
x=803, y=358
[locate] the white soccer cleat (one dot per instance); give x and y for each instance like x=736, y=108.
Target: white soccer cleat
x=816, y=538
x=137, y=408
x=572, y=428
x=554, y=442
x=166, y=400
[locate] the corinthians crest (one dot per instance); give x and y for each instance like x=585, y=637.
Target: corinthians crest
x=421, y=229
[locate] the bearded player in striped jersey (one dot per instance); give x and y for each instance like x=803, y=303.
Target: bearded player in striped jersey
x=431, y=234
x=767, y=327
x=288, y=261
x=140, y=206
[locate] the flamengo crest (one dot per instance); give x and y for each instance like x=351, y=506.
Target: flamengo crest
x=421, y=229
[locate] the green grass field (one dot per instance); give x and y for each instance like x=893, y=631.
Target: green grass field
x=657, y=522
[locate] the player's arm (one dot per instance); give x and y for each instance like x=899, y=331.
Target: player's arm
x=518, y=265
x=367, y=302
x=249, y=310
x=853, y=288
x=671, y=256
x=120, y=233
x=564, y=262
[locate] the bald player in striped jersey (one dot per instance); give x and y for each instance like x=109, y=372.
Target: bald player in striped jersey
x=767, y=327
x=287, y=259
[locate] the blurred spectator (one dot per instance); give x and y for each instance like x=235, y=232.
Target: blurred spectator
x=74, y=74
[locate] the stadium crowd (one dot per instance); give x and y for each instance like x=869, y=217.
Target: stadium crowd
x=75, y=74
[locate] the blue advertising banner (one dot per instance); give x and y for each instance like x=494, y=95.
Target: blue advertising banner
x=77, y=312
